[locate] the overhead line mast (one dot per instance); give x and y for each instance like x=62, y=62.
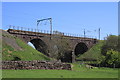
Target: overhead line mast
x=50, y=19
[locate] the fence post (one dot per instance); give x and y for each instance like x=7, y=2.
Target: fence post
x=113, y=65
x=28, y=29
x=9, y=26
x=13, y=27
x=99, y=65
x=17, y=27
x=21, y=28
x=38, y=30
x=105, y=65
x=47, y=32
x=31, y=30
x=44, y=31
x=73, y=57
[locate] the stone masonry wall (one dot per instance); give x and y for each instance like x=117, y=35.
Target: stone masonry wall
x=35, y=65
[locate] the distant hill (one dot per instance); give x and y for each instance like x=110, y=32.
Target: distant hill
x=14, y=48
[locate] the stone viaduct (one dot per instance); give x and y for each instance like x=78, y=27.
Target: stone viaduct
x=49, y=44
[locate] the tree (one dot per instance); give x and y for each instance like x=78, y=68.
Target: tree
x=112, y=58
x=110, y=43
x=110, y=50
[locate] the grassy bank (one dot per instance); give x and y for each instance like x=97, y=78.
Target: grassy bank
x=78, y=71
x=14, y=48
x=93, y=53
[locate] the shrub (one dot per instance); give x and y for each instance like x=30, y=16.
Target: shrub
x=112, y=58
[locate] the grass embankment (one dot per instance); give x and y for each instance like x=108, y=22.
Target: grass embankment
x=93, y=53
x=79, y=71
x=24, y=53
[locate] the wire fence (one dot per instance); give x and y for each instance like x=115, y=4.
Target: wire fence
x=105, y=65
x=48, y=32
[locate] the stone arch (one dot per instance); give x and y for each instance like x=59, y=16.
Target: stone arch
x=80, y=48
x=40, y=45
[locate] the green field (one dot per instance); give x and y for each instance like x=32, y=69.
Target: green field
x=78, y=71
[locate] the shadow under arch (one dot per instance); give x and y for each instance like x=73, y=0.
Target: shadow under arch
x=40, y=45
x=80, y=48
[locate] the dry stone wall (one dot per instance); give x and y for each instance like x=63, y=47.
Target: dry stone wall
x=35, y=65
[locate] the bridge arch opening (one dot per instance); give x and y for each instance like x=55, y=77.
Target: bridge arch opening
x=80, y=48
x=39, y=45
x=30, y=44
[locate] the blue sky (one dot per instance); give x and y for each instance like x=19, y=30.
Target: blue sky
x=69, y=17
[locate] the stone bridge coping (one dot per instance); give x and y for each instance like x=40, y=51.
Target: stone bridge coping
x=21, y=32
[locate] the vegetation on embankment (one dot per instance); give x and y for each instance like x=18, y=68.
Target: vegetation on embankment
x=105, y=52
x=111, y=51
x=14, y=48
x=93, y=53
